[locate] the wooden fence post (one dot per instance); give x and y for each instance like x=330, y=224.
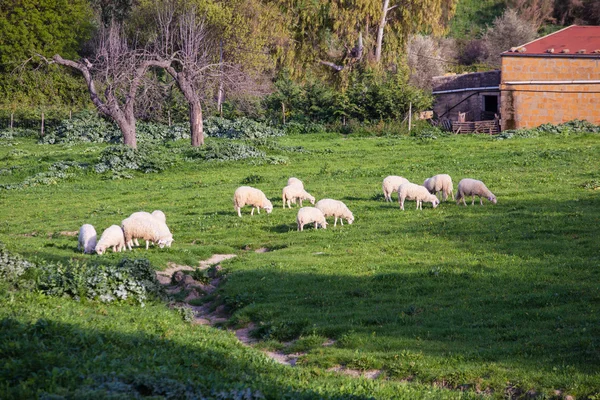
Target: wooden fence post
x=409, y=116
x=169, y=115
x=12, y=117
x=42, y=128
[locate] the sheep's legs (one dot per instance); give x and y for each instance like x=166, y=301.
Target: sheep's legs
x=341, y=221
x=473, y=199
x=252, y=212
x=238, y=211
x=480, y=201
x=334, y=221
x=147, y=243
x=316, y=225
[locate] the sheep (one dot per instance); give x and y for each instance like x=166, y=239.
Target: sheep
x=144, y=226
x=306, y=215
x=246, y=195
x=296, y=182
x=390, y=185
x=412, y=191
x=159, y=215
x=473, y=187
x=111, y=237
x=291, y=193
x=440, y=183
x=337, y=209
x=87, y=239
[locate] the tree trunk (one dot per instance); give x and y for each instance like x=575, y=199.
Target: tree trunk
x=380, y=30
x=196, y=128
x=128, y=130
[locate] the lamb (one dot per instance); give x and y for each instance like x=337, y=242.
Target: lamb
x=246, y=195
x=337, y=209
x=473, y=187
x=87, y=239
x=111, y=237
x=291, y=193
x=144, y=226
x=306, y=215
x=412, y=191
x=390, y=185
x=440, y=183
x=295, y=181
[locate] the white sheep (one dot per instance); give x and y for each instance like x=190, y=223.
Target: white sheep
x=291, y=193
x=412, y=191
x=295, y=181
x=144, y=226
x=337, y=209
x=160, y=215
x=391, y=184
x=111, y=237
x=306, y=215
x=246, y=195
x=440, y=183
x=87, y=239
x=473, y=187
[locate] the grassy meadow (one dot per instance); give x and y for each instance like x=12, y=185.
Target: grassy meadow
x=493, y=301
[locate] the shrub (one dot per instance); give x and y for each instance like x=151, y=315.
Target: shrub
x=575, y=126
x=144, y=158
x=12, y=266
x=241, y=128
x=129, y=279
x=85, y=126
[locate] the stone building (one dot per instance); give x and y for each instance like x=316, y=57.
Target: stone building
x=552, y=79
x=476, y=94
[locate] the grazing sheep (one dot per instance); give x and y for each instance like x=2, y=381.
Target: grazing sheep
x=306, y=215
x=87, y=239
x=159, y=215
x=144, y=226
x=291, y=193
x=295, y=181
x=111, y=237
x=337, y=209
x=246, y=195
x=440, y=183
x=412, y=191
x=473, y=187
x=391, y=184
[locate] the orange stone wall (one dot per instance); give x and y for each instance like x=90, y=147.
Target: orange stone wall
x=530, y=105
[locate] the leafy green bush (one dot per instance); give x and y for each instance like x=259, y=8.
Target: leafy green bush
x=18, y=132
x=575, y=126
x=297, y=128
x=85, y=126
x=241, y=128
x=224, y=151
x=145, y=158
x=129, y=279
x=12, y=266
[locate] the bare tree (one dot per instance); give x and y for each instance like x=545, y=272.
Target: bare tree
x=117, y=69
x=428, y=57
x=188, y=50
x=508, y=30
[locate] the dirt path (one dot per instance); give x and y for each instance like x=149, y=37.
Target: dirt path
x=176, y=281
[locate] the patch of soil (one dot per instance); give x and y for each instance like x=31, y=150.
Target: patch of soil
x=262, y=250
x=369, y=374
x=68, y=233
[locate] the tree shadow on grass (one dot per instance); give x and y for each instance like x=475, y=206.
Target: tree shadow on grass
x=43, y=356
x=281, y=228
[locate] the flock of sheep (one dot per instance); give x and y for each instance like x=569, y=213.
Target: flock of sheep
x=152, y=227
x=294, y=191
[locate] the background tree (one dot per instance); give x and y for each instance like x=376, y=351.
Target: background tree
x=113, y=77
x=428, y=57
x=508, y=30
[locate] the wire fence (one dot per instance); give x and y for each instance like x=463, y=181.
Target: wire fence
x=40, y=123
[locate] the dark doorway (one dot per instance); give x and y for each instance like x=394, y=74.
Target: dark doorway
x=490, y=104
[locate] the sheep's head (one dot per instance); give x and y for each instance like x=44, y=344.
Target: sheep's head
x=268, y=207
x=312, y=200
x=435, y=202
x=492, y=198
x=323, y=224
x=165, y=242
x=100, y=249
x=350, y=219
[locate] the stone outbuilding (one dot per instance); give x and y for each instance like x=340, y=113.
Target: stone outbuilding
x=552, y=79
x=477, y=95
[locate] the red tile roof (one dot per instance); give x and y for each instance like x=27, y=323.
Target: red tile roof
x=573, y=41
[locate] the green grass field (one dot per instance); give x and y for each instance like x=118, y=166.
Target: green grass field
x=499, y=301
